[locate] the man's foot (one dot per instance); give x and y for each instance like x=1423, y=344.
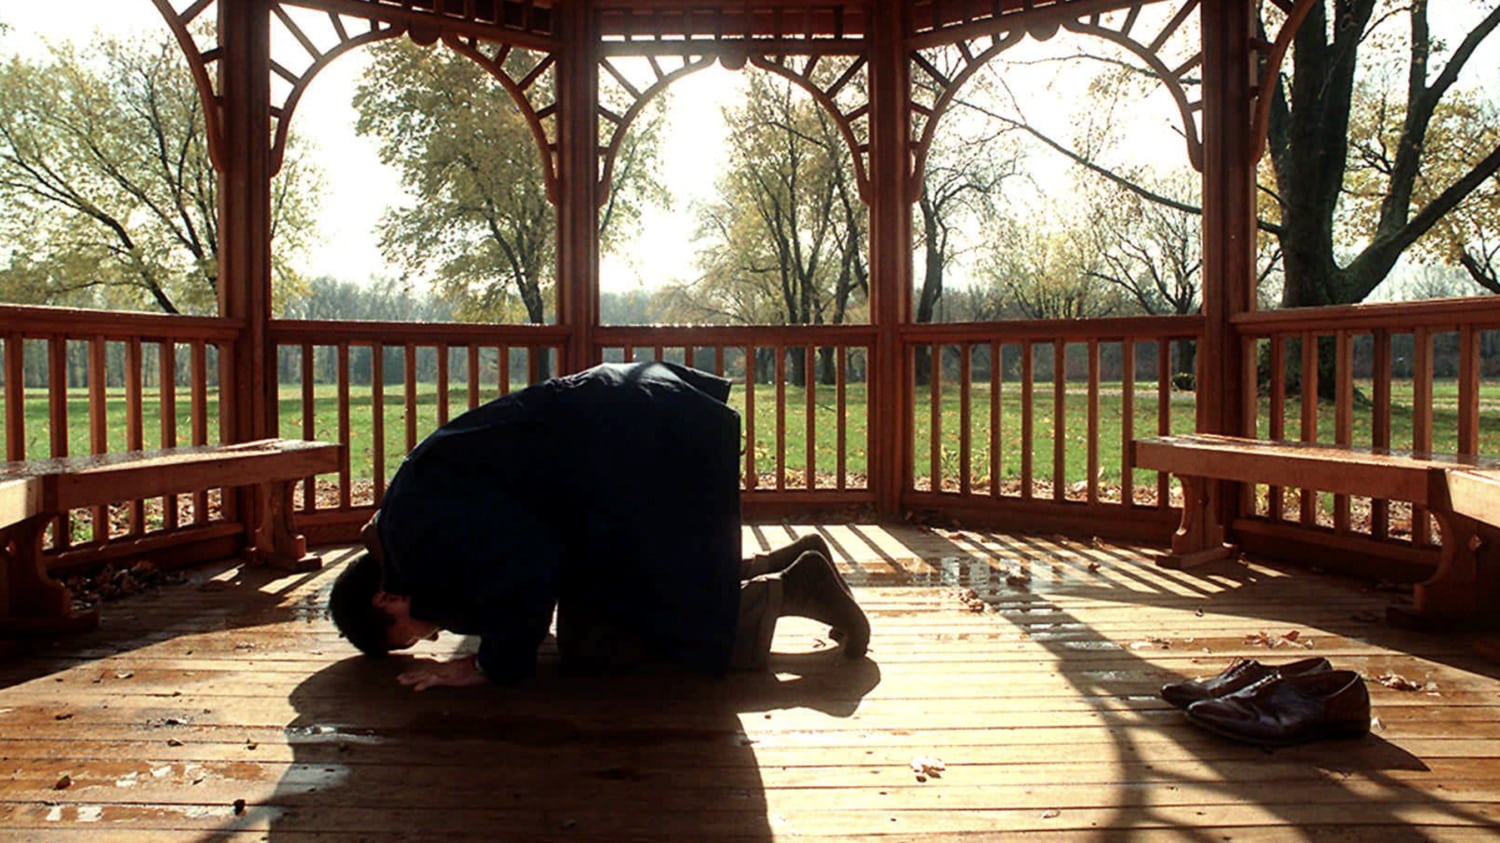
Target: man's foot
x=812, y=588
x=778, y=560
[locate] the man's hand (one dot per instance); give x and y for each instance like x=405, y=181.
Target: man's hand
x=459, y=673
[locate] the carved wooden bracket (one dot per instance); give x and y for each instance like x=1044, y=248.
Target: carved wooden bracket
x=307, y=35
x=840, y=88
x=530, y=77
x=621, y=99
x=1166, y=45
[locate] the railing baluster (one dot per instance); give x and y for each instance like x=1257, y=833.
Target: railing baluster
x=442, y=384
x=1468, y=389
x=997, y=417
x=1308, y=500
x=167, y=400
x=810, y=407
x=134, y=425
x=1059, y=420
x=473, y=376
x=780, y=417
x=1380, y=422
x=935, y=417
x=841, y=416
x=1028, y=420
x=1421, y=421
x=15, y=398
x=965, y=418
x=1276, y=424
x=409, y=373
x=751, y=479
x=1163, y=410
x=57, y=395
x=346, y=463
x=1344, y=415
x=309, y=423
x=198, y=400
x=377, y=415
x=1091, y=493
x=98, y=422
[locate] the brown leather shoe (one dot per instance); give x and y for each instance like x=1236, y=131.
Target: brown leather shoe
x=1241, y=674
x=1286, y=710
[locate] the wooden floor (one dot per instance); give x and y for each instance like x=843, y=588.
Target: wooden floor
x=227, y=708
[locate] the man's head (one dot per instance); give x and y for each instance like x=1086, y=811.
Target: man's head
x=355, y=610
x=373, y=619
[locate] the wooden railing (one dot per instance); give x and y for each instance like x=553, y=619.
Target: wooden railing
x=1005, y=423
x=90, y=382
x=1408, y=376
x=1029, y=422
x=380, y=387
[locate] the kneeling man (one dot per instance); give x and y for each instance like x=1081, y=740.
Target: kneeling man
x=611, y=496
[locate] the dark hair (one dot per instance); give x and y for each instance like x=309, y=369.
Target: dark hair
x=351, y=603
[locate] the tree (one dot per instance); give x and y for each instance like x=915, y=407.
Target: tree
x=110, y=196
x=1309, y=142
x=1044, y=270
x=1153, y=253
x=1359, y=170
x=483, y=227
x=786, y=243
x=1467, y=237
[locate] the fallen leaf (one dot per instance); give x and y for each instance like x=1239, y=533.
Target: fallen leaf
x=924, y=766
x=1398, y=682
x=64, y=782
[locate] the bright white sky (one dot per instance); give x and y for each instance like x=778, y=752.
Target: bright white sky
x=359, y=187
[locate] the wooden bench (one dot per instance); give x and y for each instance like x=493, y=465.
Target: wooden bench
x=34, y=492
x=1462, y=493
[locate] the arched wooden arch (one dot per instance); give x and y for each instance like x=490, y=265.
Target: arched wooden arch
x=1123, y=29
x=852, y=121
x=339, y=31
x=847, y=118
x=534, y=94
x=924, y=118
x=619, y=123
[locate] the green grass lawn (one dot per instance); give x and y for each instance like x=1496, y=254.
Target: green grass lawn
x=1075, y=436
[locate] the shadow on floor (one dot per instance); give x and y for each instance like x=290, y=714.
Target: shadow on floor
x=639, y=757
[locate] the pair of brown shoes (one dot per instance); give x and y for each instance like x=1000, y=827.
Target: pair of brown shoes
x=1271, y=705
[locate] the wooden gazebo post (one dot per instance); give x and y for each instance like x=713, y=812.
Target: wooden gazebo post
x=578, y=184
x=1228, y=227
x=247, y=401
x=890, y=253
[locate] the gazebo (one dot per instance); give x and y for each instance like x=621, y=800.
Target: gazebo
x=237, y=391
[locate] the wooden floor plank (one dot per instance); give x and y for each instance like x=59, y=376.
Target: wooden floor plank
x=227, y=708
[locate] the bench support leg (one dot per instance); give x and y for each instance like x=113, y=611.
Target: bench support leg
x=1460, y=594
x=276, y=543
x=1200, y=537
x=33, y=603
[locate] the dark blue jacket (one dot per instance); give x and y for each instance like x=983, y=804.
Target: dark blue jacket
x=612, y=495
